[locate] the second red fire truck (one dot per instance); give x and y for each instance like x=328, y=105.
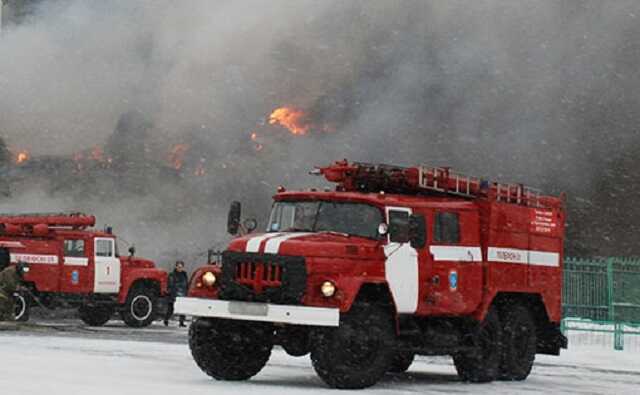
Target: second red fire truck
x=395, y=262
x=72, y=263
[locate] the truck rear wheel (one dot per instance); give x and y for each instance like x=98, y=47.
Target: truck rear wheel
x=95, y=315
x=140, y=307
x=401, y=362
x=483, y=363
x=22, y=307
x=359, y=352
x=519, y=334
x=230, y=350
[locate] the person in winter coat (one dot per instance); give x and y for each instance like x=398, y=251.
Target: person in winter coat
x=178, y=285
x=10, y=279
x=5, y=256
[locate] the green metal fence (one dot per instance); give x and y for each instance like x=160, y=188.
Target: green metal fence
x=620, y=331
x=602, y=296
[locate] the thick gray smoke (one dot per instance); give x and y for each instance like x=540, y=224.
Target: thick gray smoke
x=536, y=92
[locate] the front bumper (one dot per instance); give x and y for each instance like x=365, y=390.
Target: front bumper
x=249, y=311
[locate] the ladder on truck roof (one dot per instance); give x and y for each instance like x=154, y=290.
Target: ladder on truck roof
x=44, y=214
x=367, y=177
x=444, y=180
x=55, y=220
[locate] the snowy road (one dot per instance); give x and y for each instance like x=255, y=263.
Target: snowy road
x=46, y=363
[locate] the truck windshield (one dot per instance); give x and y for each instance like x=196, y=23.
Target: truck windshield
x=356, y=219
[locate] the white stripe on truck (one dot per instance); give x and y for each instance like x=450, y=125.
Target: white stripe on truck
x=253, y=245
x=456, y=253
x=36, y=259
x=273, y=245
x=531, y=257
x=495, y=254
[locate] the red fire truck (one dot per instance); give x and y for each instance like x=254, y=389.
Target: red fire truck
x=74, y=264
x=395, y=262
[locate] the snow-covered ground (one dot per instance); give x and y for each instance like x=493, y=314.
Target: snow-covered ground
x=70, y=362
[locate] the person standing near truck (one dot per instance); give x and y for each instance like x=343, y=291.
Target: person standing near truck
x=10, y=279
x=178, y=286
x=5, y=259
x=6, y=298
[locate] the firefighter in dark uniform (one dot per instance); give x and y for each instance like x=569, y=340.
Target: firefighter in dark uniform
x=178, y=286
x=5, y=260
x=10, y=279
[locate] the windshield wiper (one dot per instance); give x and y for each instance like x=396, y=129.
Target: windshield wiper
x=296, y=230
x=333, y=232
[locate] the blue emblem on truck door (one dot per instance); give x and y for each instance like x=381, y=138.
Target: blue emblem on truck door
x=75, y=277
x=453, y=280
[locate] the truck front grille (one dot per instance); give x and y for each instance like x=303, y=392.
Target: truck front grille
x=263, y=278
x=258, y=275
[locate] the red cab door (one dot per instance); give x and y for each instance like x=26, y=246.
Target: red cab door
x=77, y=269
x=454, y=269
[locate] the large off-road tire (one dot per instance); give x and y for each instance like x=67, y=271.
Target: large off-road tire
x=95, y=315
x=141, y=307
x=22, y=307
x=401, y=362
x=228, y=349
x=359, y=352
x=295, y=340
x=519, y=343
x=483, y=363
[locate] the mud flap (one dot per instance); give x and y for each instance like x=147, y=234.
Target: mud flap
x=551, y=340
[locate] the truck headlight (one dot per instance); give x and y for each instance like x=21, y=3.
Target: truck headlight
x=328, y=289
x=209, y=279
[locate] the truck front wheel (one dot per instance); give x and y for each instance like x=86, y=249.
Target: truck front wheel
x=230, y=350
x=140, y=308
x=21, y=307
x=519, y=333
x=359, y=352
x=95, y=315
x=482, y=364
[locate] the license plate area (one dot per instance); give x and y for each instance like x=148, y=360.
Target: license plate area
x=242, y=308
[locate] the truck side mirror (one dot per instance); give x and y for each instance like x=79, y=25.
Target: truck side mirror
x=132, y=250
x=417, y=231
x=250, y=225
x=383, y=229
x=233, y=219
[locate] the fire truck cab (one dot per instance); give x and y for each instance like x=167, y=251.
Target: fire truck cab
x=73, y=264
x=395, y=262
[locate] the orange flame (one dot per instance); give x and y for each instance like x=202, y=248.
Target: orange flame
x=22, y=156
x=293, y=119
x=176, y=155
x=83, y=159
x=97, y=154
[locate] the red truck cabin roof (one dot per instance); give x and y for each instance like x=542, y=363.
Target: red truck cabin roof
x=378, y=199
x=83, y=233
